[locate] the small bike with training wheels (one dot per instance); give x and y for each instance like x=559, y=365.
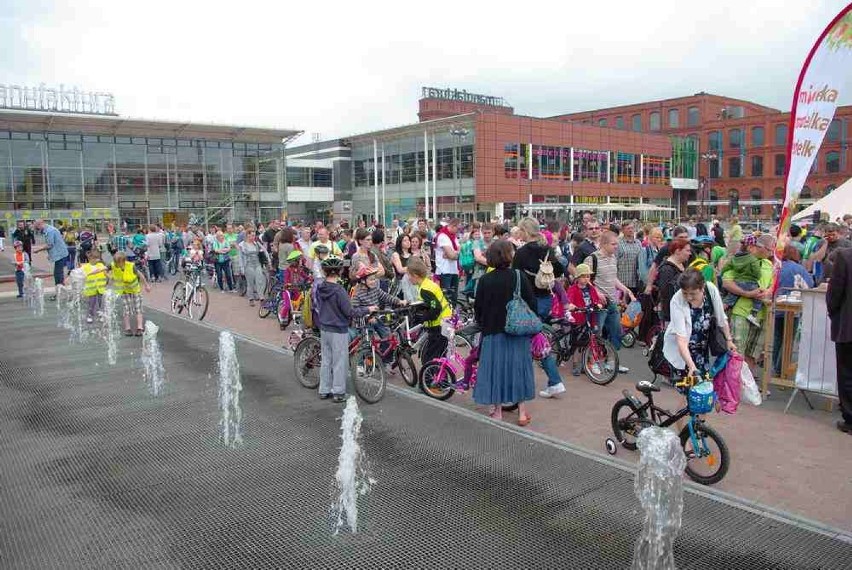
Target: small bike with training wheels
x=707, y=454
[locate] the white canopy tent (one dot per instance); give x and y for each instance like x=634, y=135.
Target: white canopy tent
x=836, y=204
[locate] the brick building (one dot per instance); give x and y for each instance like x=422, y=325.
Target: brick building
x=742, y=146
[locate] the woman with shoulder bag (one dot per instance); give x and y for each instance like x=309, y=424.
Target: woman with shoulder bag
x=505, y=371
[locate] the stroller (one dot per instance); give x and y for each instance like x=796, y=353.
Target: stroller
x=631, y=318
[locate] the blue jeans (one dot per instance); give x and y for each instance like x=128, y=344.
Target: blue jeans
x=224, y=267
x=19, y=281
x=610, y=323
x=548, y=364
x=59, y=270
x=450, y=286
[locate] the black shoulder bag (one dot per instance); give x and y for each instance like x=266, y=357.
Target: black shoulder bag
x=716, y=338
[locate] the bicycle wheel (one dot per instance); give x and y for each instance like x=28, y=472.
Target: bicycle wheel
x=626, y=423
x=265, y=308
x=199, y=300
x=178, y=301
x=463, y=345
x=368, y=375
x=173, y=264
x=432, y=386
x=709, y=464
x=600, y=361
x=406, y=367
x=307, y=359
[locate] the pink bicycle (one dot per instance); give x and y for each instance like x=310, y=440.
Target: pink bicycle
x=442, y=377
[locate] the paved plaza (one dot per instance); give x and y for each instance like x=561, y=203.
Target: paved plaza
x=99, y=474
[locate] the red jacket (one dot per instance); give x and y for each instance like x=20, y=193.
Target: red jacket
x=575, y=297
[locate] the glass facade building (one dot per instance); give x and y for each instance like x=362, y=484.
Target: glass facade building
x=60, y=172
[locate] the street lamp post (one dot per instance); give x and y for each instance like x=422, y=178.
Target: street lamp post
x=705, y=192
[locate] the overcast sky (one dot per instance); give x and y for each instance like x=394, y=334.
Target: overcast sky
x=339, y=68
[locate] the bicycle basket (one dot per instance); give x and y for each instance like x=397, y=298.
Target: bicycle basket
x=701, y=398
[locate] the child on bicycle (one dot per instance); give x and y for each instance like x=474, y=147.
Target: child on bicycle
x=435, y=305
x=333, y=311
x=367, y=293
x=582, y=295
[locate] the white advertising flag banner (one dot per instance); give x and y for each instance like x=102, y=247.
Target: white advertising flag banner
x=824, y=79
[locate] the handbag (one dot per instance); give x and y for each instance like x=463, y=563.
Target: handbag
x=520, y=319
x=716, y=340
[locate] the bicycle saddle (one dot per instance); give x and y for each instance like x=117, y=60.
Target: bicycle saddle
x=647, y=387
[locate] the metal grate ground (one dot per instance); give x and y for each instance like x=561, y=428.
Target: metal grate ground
x=97, y=474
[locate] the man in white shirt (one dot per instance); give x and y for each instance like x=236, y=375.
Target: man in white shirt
x=446, y=260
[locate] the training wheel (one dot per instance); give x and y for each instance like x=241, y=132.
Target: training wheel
x=611, y=446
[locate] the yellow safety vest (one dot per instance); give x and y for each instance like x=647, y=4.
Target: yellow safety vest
x=95, y=282
x=126, y=281
x=435, y=289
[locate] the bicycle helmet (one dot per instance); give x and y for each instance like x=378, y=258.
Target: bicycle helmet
x=365, y=272
x=320, y=249
x=333, y=263
x=294, y=255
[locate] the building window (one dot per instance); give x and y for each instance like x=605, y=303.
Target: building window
x=829, y=189
x=755, y=197
x=734, y=201
x=674, y=118
x=833, y=133
x=619, y=123
x=780, y=135
x=601, y=122
x=780, y=164
x=758, y=136
x=735, y=138
x=636, y=123
x=693, y=117
x=653, y=121
x=714, y=140
x=734, y=167
x=713, y=197
x=626, y=168
x=510, y=160
x=832, y=162
x=590, y=165
x=713, y=168
x=737, y=112
x=757, y=166
x=656, y=170
x=546, y=162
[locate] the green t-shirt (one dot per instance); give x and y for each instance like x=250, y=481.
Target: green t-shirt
x=735, y=233
x=231, y=240
x=743, y=306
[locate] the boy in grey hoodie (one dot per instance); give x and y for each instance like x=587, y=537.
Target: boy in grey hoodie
x=334, y=312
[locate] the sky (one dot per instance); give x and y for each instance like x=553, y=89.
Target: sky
x=341, y=68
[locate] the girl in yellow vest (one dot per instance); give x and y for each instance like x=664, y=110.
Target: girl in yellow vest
x=127, y=282
x=96, y=282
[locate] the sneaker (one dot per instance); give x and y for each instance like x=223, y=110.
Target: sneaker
x=339, y=398
x=623, y=369
x=90, y=320
x=753, y=320
x=595, y=368
x=552, y=391
x=844, y=427
x=576, y=371
x=324, y=396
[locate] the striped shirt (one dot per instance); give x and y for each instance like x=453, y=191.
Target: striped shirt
x=628, y=262
x=606, y=273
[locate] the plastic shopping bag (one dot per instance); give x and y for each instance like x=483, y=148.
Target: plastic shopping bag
x=750, y=392
x=727, y=380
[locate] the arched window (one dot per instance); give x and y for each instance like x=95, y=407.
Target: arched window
x=619, y=123
x=637, y=123
x=832, y=162
x=758, y=136
x=674, y=118
x=693, y=117
x=735, y=138
x=780, y=135
x=734, y=202
x=829, y=189
x=601, y=122
x=654, y=121
x=833, y=133
x=755, y=197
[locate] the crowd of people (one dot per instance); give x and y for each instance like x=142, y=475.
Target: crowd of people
x=687, y=278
